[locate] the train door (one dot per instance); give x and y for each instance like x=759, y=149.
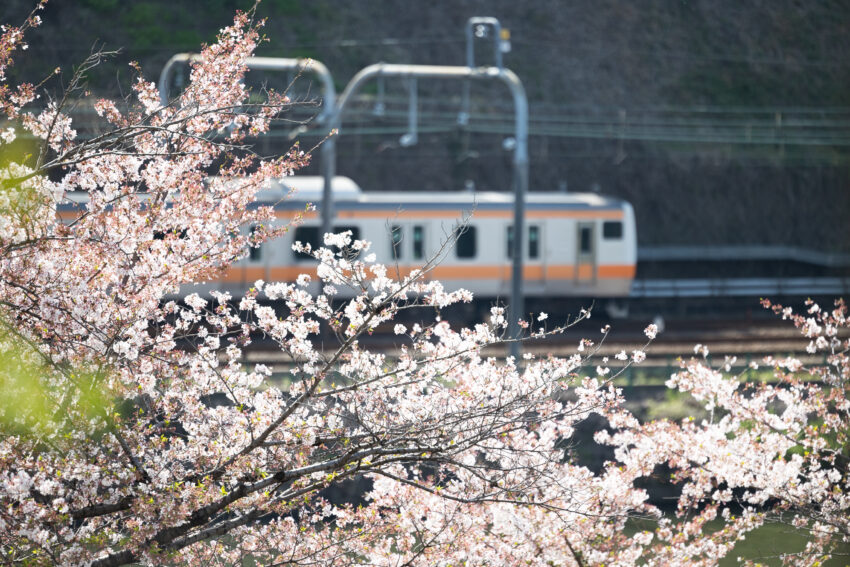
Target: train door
x=586, y=253
x=244, y=273
x=535, y=261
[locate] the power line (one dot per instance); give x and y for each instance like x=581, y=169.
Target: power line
x=838, y=61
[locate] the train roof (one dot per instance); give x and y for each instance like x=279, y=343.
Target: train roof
x=346, y=192
x=314, y=184
x=488, y=199
x=293, y=192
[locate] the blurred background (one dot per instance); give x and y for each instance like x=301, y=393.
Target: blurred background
x=725, y=124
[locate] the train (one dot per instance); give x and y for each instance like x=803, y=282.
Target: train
x=576, y=244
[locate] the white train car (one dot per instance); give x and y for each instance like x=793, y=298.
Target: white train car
x=576, y=245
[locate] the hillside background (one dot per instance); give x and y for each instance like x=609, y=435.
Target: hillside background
x=722, y=122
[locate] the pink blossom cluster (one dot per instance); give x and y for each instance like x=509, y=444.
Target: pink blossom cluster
x=137, y=433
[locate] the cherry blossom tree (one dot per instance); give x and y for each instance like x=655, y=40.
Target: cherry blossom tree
x=774, y=450
x=134, y=432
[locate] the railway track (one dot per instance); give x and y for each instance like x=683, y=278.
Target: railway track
x=746, y=340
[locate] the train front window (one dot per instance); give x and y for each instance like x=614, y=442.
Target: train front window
x=395, y=242
x=418, y=242
x=466, y=245
x=612, y=230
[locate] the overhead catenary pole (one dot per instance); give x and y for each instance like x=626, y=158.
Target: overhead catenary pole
x=331, y=118
x=520, y=148
x=325, y=118
x=473, y=25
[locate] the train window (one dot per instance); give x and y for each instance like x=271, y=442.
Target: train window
x=310, y=235
x=395, y=242
x=348, y=252
x=254, y=252
x=533, y=242
x=355, y=231
x=585, y=244
x=466, y=244
x=418, y=242
x=161, y=235
x=306, y=235
x=612, y=230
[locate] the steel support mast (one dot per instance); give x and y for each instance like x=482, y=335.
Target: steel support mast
x=520, y=150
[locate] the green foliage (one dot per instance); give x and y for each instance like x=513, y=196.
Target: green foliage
x=34, y=402
x=144, y=22
x=25, y=405
x=285, y=7
x=676, y=406
x=728, y=84
x=20, y=151
x=101, y=6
